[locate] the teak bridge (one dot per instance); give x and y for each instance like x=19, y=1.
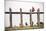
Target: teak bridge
x=38, y=16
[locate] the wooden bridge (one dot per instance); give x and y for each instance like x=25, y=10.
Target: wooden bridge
x=31, y=24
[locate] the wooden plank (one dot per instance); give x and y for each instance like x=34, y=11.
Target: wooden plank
x=24, y=12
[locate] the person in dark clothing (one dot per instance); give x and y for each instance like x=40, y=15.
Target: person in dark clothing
x=33, y=9
x=26, y=24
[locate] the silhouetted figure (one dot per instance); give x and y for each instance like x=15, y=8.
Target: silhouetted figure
x=26, y=24
x=33, y=9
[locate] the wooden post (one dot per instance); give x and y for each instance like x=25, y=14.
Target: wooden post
x=10, y=18
x=21, y=17
x=31, y=18
x=38, y=18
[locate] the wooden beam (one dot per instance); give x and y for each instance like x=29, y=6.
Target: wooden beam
x=10, y=18
x=38, y=18
x=30, y=18
x=21, y=17
x=24, y=12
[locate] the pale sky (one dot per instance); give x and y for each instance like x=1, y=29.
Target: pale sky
x=26, y=6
